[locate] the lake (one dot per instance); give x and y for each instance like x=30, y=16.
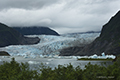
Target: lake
x=52, y=62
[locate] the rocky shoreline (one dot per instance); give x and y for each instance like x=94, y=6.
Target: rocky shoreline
x=4, y=53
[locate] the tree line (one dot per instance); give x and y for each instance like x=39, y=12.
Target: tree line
x=21, y=71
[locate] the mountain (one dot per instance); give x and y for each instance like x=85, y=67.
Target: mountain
x=70, y=51
x=36, y=31
x=9, y=36
x=88, y=32
x=108, y=41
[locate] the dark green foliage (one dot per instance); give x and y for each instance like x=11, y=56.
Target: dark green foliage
x=118, y=59
x=96, y=59
x=61, y=73
x=16, y=71
x=21, y=71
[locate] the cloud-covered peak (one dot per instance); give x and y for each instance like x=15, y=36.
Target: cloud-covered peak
x=65, y=16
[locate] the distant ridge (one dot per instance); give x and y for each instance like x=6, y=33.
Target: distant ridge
x=36, y=30
x=9, y=36
x=84, y=32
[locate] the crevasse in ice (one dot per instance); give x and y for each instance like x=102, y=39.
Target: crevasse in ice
x=50, y=45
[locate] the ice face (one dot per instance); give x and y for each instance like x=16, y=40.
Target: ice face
x=103, y=54
x=50, y=45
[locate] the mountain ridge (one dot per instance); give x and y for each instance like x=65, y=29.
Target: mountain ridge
x=9, y=36
x=36, y=30
x=108, y=41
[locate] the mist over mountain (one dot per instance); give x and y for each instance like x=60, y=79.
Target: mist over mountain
x=36, y=31
x=9, y=36
x=108, y=41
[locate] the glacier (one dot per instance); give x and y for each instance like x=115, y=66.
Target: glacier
x=47, y=50
x=50, y=45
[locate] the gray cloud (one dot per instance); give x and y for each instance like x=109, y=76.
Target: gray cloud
x=65, y=16
x=26, y=4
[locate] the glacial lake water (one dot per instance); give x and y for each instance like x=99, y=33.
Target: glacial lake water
x=52, y=62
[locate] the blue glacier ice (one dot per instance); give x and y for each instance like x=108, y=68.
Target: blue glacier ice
x=49, y=45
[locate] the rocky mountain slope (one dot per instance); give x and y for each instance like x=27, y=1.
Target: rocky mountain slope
x=3, y=53
x=9, y=36
x=36, y=31
x=108, y=41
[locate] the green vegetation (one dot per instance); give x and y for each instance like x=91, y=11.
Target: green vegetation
x=118, y=60
x=96, y=59
x=16, y=71
x=21, y=71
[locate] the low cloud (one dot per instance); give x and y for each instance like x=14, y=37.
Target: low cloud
x=26, y=4
x=64, y=16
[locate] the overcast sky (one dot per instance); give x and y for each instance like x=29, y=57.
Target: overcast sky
x=64, y=16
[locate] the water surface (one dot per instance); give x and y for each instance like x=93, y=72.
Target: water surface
x=52, y=62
